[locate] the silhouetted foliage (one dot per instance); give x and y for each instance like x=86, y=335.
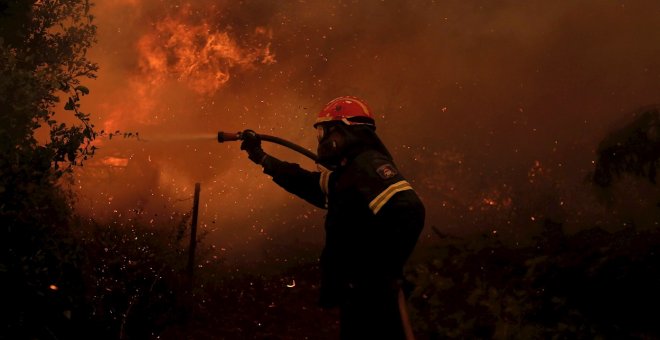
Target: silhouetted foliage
x=594, y=284
x=43, y=47
x=42, y=57
x=132, y=274
x=633, y=149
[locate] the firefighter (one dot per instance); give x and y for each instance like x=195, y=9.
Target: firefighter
x=373, y=219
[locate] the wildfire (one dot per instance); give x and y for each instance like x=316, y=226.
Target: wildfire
x=197, y=55
x=179, y=51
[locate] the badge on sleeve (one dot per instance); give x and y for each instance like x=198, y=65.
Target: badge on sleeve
x=386, y=171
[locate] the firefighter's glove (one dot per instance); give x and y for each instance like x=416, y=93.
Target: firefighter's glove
x=252, y=145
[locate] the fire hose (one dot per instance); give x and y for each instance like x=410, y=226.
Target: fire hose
x=228, y=137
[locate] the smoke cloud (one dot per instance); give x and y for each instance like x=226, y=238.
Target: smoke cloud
x=491, y=109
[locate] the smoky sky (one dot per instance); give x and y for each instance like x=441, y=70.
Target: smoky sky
x=484, y=104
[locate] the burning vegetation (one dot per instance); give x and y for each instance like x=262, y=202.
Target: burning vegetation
x=499, y=121
x=197, y=54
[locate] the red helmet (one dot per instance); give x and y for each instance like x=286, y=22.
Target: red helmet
x=348, y=109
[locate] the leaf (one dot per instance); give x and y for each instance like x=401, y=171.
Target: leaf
x=87, y=132
x=83, y=89
x=70, y=106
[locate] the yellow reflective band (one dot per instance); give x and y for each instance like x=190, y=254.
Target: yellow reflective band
x=323, y=181
x=380, y=200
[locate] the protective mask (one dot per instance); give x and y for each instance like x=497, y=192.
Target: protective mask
x=332, y=142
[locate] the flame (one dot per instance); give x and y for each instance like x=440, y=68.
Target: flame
x=197, y=55
x=178, y=52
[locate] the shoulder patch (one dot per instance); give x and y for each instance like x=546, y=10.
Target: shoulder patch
x=386, y=171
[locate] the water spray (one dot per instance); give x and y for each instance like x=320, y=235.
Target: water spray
x=228, y=137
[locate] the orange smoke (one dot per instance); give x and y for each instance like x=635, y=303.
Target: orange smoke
x=161, y=74
x=168, y=69
x=188, y=55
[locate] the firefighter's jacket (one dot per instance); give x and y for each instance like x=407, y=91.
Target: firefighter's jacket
x=373, y=221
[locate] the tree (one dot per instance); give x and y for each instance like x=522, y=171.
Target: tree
x=43, y=45
x=633, y=149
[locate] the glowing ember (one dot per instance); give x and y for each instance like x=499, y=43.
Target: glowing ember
x=497, y=198
x=115, y=161
x=489, y=201
x=53, y=287
x=535, y=171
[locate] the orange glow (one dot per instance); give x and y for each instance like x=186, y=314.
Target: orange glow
x=115, y=161
x=489, y=201
x=497, y=198
x=535, y=171
x=448, y=115
x=196, y=55
x=53, y=287
x=176, y=55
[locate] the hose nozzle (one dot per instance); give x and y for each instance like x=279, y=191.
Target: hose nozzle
x=228, y=136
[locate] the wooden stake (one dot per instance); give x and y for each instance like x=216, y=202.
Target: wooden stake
x=193, y=235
